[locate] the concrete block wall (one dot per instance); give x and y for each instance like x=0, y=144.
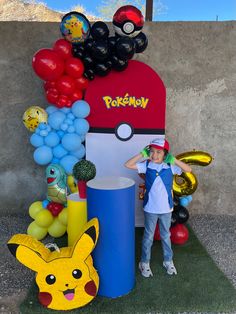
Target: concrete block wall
x=196, y=61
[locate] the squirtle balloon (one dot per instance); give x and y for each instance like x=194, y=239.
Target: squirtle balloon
x=56, y=180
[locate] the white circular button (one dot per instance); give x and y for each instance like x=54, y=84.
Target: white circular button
x=124, y=131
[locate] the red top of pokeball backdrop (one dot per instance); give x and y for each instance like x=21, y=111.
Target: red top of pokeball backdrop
x=128, y=13
x=135, y=96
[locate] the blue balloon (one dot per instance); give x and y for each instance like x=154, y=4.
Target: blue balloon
x=82, y=137
x=43, y=133
x=64, y=126
x=71, y=129
x=55, y=161
x=60, y=133
x=189, y=198
x=48, y=128
x=81, y=126
x=36, y=140
x=80, y=109
x=45, y=203
x=55, y=119
x=59, y=151
x=43, y=155
x=42, y=126
x=37, y=131
x=51, y=109
x=65, y=110
x=70, y=116
x=68, y=163
x=80, y=153
x=71, y=141
x=52, y=139
x=68, y=121
x=183, y=201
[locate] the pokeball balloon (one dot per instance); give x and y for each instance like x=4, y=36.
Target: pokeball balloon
x=128, y=21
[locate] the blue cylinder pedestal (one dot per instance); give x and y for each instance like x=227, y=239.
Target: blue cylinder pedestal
x=112, y=201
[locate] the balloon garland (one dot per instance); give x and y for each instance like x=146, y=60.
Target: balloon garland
x=99, y=52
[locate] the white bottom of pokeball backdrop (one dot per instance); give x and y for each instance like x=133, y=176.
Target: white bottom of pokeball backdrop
x=109, y=154
x=112, y=200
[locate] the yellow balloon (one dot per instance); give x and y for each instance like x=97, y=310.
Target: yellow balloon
x=63, y=216
x=186, y=183
x=72, y=184
x=35, y=208
x=37, y=232
x=44, y=218
x=57, y=229
x=33, y=116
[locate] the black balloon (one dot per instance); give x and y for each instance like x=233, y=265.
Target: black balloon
x=88, y=61
x=88, y=44
x=78, y=50
x=89, y=74
x=125, y=48
x=99, y=30
x=100, y=50
x=112, y=43
x=140, y=42
x=174, y=219
x=102, y=69
x=118, y=64
x=182, y=213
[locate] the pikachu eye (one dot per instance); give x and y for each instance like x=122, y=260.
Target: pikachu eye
x=50, y=279
x=76, y=273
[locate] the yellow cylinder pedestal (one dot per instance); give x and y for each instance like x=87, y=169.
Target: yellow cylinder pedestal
x=77, y=217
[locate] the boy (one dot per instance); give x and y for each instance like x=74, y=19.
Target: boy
x=159, y=169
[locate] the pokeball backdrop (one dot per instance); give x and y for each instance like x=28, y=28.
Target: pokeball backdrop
x=127, y=110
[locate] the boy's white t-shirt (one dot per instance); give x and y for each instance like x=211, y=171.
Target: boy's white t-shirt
x=158, y=198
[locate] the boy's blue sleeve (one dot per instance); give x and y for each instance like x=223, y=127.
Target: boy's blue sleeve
x=176, y=169
x=141, y=166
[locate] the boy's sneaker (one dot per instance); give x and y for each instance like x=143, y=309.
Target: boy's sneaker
x=145, y=269
x=170, y=268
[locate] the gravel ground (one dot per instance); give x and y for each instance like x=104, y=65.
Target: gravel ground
x=217, y=233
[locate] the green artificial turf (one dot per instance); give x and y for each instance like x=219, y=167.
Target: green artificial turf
x=199, y=286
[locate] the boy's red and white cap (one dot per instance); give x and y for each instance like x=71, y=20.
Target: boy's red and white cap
x=160, y=143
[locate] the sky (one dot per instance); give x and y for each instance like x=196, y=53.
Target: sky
x=176, y=10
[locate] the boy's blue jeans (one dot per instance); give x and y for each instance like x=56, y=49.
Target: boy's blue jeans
x=164, y=226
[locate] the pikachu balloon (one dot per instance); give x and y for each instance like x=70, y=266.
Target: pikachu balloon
x=66, y=278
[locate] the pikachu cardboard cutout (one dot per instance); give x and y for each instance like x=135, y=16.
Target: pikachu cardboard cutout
x=66, y=278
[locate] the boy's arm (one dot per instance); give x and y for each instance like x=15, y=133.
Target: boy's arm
x=183, y=165
x=131, y=163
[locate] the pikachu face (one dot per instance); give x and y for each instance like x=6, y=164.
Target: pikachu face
x=66, y=279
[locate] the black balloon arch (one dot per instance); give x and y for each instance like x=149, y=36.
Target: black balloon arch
x=100, y=52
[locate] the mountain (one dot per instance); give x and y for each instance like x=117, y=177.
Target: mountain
x=19, y=10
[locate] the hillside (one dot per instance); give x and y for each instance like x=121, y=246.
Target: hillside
x=18, y=10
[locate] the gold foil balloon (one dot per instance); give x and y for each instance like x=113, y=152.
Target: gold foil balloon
x=186, y=183
x=33, y=116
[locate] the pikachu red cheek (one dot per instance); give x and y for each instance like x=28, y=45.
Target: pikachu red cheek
x=45, y=298
x=90, y=288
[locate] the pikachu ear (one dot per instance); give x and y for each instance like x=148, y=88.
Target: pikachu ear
x=29, y=251
x=87, y=241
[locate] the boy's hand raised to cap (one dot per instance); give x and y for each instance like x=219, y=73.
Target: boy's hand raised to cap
x=145, y=152
x=169, y=159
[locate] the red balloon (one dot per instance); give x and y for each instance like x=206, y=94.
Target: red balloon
x=52, y=95
x=55, y=208
x=66, y=85
x=69, y=103
x=179, y=234
x=48, y=65
x=63, y=48
x=50, y=84
x=81, y=83
x=77, y=95
x=62, y=101
x=157, y=233
x=74, y=67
